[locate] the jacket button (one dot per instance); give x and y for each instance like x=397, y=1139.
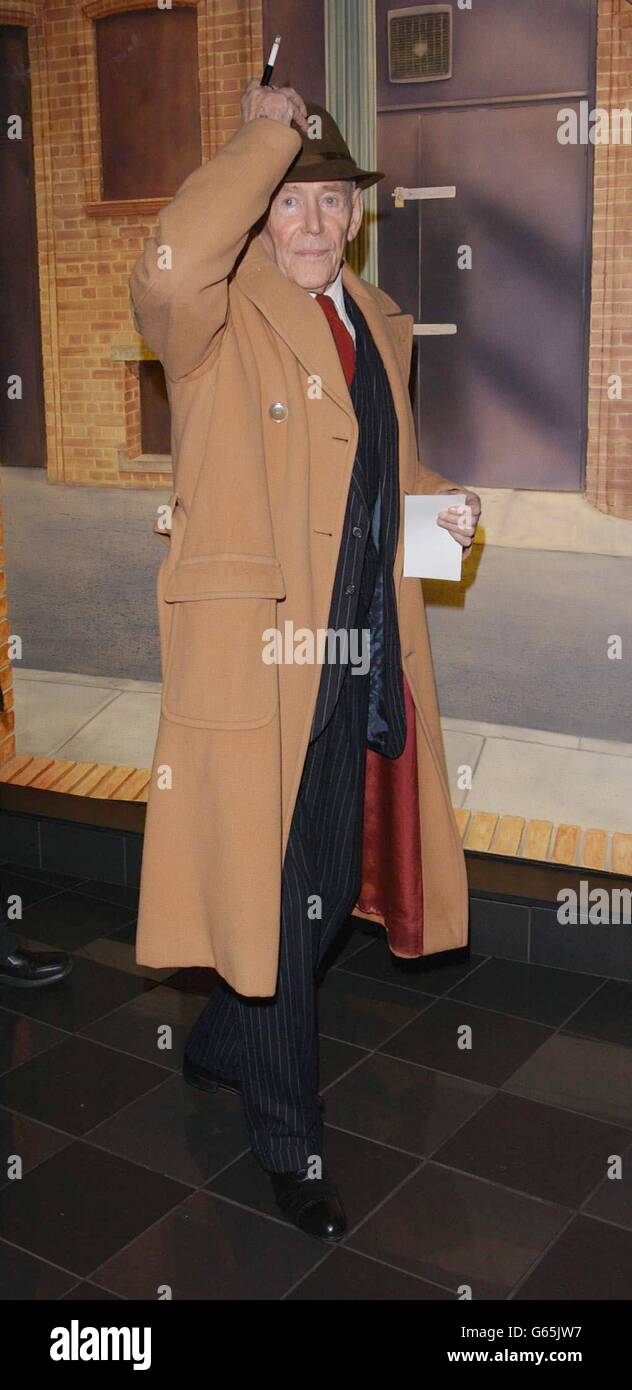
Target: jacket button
x=279, y=412
x=357, y=531
x=350, y=589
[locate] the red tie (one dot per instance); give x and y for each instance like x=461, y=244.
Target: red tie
x=342, y=337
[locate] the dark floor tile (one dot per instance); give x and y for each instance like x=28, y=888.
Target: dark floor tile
x=526, y=991
x=133, y=857
x=395, y=1102
x=354, y=936
x=499, y=928
x=119, y=952
x=29, y=890
x=179, y=1131
x=83, y=850
x=19, y=837
x=579, y=1074
x=194, y=980
x=590, y=1260
x=23, y=1138
x=39, y=875
x=111, y=893
x=432, y=975
x=612, y=1200
x=68, y=920
x=335, y=1058
x=211, y=1250
x=455, y=1230
x=346, y=1277
x=608, y=1015
x=22, y=1038
x=498, y=1044
x=88, y=993
x=539, y=1149
x=77, y=1084
x=154, y=1026
x=81, y=1206
x=23, y=1278
x=88, y=1293
x=596, y=949
x=363, y=1173
x=364, y=1011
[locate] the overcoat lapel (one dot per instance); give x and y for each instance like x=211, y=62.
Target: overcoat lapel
x=301, y=324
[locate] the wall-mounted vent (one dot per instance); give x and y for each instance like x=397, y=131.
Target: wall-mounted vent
x=420, y=44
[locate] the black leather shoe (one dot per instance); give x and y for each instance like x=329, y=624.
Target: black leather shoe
x=312, y=1204
x=33, y=969
x=205, y=1080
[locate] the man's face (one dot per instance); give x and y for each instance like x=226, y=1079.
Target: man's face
x=308, y=227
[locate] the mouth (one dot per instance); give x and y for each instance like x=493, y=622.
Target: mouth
x=312, y=253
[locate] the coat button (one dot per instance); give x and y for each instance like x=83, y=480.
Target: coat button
x=350, y=589
x=279, y=411
x=357, y=531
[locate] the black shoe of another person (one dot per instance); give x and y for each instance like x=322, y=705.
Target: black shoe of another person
x=312, y=1204
x=33, y=969
x=206, y=1080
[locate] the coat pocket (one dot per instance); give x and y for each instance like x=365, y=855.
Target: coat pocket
x=216, y=676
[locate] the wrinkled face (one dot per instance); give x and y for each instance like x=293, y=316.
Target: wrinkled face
x=308, y=227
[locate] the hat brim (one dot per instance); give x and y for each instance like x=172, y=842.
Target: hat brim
x=325, y=173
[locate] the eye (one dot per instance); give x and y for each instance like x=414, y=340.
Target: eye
x=288, y=199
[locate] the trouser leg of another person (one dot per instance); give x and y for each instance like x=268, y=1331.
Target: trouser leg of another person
x=8, y=938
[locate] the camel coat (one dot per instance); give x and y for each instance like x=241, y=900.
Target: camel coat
x=264, y=437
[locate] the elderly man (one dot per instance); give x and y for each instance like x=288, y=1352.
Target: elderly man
x=287, y=790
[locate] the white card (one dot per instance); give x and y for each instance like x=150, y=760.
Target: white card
x=430, y=552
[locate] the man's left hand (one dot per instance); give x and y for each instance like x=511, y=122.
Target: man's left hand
x=461, y=521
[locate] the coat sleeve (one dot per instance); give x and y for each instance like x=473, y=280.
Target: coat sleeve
x=428, y=481
x=182, y=310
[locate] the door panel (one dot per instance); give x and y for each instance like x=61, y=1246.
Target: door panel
x=501, y=403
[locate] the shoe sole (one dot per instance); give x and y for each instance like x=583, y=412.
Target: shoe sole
x=12, y=982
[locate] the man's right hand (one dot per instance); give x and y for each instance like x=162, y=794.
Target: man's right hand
x=277, y=103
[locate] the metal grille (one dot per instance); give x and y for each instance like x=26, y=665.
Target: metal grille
x=420, y=44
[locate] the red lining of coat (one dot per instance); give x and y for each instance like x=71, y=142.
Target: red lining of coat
x=392, y=886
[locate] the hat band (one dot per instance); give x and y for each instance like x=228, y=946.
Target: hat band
x=314, y=158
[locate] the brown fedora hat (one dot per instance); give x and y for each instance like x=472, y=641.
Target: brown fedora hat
x=327, y=157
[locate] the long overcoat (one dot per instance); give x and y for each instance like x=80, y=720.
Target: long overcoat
x=264, y=437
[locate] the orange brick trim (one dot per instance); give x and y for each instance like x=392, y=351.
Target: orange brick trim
x=23, y=13
x=609, y=454
x=482, y=832
x=98, y=9
x=513, y=836
x=127, y=207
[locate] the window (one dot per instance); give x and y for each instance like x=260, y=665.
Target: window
x=149, y=105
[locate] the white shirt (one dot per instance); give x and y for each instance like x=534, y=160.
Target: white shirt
x=335, y=292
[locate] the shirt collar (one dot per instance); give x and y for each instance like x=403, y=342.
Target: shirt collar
x=335, y=291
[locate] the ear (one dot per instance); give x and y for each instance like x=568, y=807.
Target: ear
x=356, y=215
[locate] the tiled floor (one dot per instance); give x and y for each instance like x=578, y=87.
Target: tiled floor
x=478, y=1123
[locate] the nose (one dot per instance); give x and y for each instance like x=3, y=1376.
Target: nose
x=313, y=223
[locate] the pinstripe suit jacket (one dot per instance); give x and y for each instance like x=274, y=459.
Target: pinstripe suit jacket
x=364, y=593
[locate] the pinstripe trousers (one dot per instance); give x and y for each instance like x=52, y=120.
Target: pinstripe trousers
x=270, y=1046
